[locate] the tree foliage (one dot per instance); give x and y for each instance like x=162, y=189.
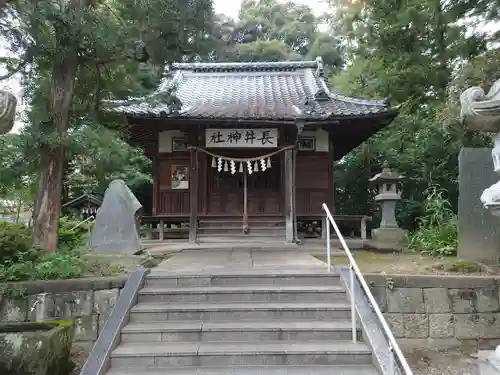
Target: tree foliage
x=74, y=54
x=272, y=30
x=419, y=54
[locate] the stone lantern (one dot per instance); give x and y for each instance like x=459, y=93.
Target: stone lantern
x=389, y=234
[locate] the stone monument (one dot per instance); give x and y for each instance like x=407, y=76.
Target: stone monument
x=8, y=103
x=481, y=112
x=115, y=229
x=389, y=235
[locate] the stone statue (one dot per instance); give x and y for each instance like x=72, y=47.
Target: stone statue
x=481, y=112
x=8, y=104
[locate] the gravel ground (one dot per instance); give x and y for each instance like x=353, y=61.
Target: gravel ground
x=443, y=362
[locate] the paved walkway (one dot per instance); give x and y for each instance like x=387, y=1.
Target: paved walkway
x=239, y=260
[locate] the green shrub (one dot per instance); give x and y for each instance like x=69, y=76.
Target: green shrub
x=15, y=239
x=437, y=234
x=20, y=261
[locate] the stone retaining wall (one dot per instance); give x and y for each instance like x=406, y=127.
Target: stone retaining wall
x=89, y=300
x=439, y=310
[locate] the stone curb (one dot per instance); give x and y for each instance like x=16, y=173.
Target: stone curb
x=70, y=285
x=433, y=281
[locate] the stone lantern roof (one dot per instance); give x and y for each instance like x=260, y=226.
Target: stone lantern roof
x=387, y=175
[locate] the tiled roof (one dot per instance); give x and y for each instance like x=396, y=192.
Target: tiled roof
x=278, y=90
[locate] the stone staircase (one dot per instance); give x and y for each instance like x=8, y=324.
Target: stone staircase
x=232, y=228
x=252, y=322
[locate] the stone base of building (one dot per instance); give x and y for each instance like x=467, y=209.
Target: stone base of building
x=388, y=238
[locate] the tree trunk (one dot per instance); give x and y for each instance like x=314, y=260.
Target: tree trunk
x=48, y=200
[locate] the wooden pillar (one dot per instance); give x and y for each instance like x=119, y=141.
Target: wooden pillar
x=156, y=171
x=289, y=203
x=193, y=196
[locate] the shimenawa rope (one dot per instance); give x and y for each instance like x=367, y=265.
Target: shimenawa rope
x=241, y=160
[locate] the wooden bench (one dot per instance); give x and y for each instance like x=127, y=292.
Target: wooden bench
x=362, y=219
x=153, y=227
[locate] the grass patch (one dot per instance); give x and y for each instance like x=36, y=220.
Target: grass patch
x=411, y=263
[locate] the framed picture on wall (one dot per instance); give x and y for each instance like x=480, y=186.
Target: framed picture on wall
x=178, y=144
x=307, y=143
x=180, y=177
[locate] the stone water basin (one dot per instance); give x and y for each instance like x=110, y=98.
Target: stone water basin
x=36, y=348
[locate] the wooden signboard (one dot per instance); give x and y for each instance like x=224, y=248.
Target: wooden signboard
x=241, y=138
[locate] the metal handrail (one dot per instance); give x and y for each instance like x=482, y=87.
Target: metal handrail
x=354, y=270
x=87, y=220
x=90, y=218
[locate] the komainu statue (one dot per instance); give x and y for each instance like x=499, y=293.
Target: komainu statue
x=481, y=111
x=8, y=103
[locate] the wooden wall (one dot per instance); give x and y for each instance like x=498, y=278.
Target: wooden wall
x=170, y=200
x=314, y=185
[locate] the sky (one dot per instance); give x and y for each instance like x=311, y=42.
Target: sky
x=231, y=7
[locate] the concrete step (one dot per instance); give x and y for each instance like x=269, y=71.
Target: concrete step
x=160, y=312
x=236, y=331
x=224, y=231
x=252, y=370
x=239, y=224
x=257, y=293
x=237, y=236
x=252, y=222
x=278, y=353
x=158, y=278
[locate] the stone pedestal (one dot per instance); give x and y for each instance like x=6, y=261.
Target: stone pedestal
x=489, y=363
x=391, y=236
x=478, y=229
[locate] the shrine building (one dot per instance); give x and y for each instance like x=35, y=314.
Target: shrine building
x=251, y=148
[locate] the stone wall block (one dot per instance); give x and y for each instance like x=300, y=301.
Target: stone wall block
x=441, y=326
x=65, y=305
x=14, y=310
x=104, y=301
x=395, y=322
x=487, y=300
x=463, y=301
x=477, y=326
x=437, y=300
x=416, y=326
x=86, y=328
x=379, y=292
x=405, y=300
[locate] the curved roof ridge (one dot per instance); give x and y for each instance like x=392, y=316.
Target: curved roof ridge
x=245, y=66
x=348, y=99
